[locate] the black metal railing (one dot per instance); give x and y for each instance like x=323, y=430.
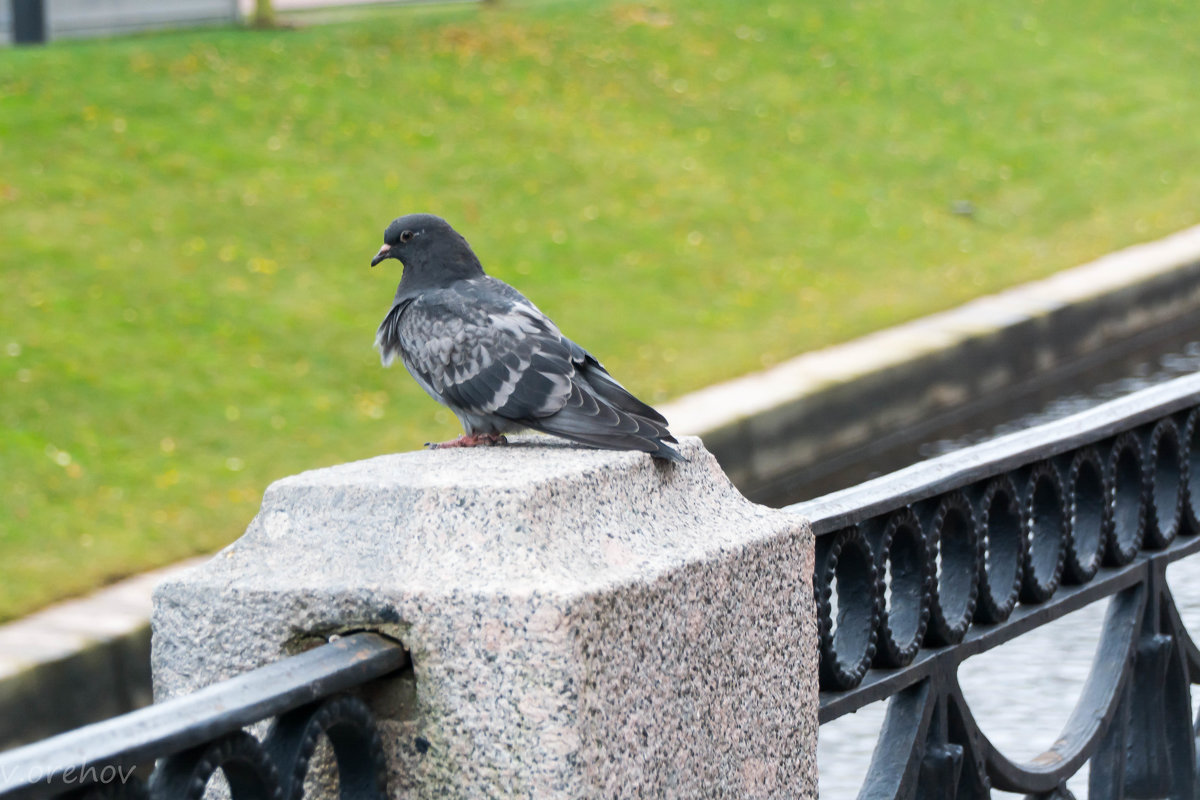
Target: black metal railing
x=194, y=736
x=918, y=570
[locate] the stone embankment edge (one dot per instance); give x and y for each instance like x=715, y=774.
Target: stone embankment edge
x=78, y=661
x=765, y=425
x=86, y=659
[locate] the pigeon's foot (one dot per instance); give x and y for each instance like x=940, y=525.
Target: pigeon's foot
x=469, y=440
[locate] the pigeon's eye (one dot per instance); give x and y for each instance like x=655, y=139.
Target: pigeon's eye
x=406, y=236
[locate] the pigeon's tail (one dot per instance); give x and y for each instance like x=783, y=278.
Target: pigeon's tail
x=602, y=413
x=569, y=425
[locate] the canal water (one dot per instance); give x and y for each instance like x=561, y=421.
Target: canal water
x=1120, y=368
x=1022, y=692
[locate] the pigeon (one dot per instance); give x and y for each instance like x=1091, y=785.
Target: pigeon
x=479, y=347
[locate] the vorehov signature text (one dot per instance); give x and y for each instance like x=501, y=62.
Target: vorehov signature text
x=83, y=775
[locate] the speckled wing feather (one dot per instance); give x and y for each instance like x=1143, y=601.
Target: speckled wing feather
x=481, y=348
x=479, y=351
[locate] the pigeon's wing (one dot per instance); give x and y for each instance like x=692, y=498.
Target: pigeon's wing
x=589, y=369
x=480, y=352
x=480, y=347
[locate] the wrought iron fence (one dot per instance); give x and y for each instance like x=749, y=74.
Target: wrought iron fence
x=194, y=736
x=920, y=569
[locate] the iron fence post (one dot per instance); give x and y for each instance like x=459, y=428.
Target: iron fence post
x=28, y=21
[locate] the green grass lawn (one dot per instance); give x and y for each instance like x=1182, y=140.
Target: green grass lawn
x=692, y=189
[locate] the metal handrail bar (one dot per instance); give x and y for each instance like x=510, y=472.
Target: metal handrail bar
x=184, y=722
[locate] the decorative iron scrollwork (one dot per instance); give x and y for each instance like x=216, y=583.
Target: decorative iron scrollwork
x=197, y=735
x=350, y=728
x=1166, y=478
x=1085, y=486
x=1126, y=509
x=1016, y=533
x=903, y=569
x=845, y=563
x=1004, y=545
x=129, y=789
x=1046, y=519
x=954, y=590
x=248, y=769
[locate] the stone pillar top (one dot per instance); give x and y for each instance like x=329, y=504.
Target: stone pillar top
x=536, y=514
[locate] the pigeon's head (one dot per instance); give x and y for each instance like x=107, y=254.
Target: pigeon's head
x=427, y=244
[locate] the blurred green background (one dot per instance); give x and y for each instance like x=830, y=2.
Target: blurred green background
x=693, y=190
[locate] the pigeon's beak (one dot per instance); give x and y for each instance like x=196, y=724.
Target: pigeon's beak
x=385, y=252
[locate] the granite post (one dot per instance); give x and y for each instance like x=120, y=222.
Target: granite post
x=581, y=623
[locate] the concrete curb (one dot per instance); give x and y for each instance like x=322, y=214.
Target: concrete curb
x=767, y=426
x=79, y=661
